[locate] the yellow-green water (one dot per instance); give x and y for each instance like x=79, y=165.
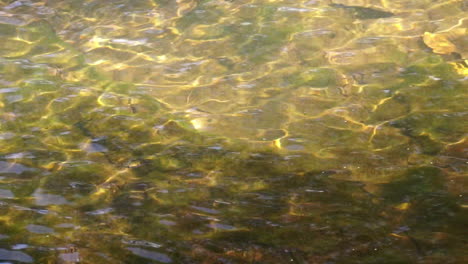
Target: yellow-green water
x=244, y=131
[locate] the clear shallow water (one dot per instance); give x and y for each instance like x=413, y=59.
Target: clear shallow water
x=233, y=131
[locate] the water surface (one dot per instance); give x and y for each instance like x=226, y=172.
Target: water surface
x=246, y=131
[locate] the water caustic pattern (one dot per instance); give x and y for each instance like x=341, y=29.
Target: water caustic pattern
x=246, y=131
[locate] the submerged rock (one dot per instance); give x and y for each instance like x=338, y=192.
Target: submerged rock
x=43, y=199
x=150, y=255
x=39, y=229
x=6, y=194
x=16, y=168
x=15, y=256
x=364, y=12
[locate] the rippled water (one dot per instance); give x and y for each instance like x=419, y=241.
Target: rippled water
x=246, y=131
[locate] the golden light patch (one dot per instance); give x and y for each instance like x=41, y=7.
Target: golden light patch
x=403, y=206
x=438, y=43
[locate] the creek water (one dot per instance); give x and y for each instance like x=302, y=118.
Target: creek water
x=244, y=131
